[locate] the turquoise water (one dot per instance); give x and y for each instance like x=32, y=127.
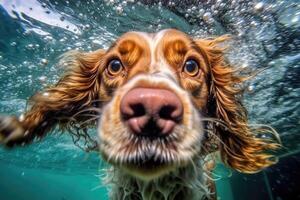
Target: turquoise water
x=34, y=33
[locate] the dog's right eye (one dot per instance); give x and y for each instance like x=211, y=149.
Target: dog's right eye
x=191, y=67
x=114, y=67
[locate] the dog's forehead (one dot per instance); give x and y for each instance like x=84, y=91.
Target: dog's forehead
x=154, y=39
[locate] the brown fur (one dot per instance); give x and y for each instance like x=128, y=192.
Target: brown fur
x=87, y=86
x=241, y=148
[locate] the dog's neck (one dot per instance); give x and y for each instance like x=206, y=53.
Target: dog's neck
x=188, y=183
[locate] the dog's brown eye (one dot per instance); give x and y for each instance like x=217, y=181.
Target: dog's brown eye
x=114, y=67
x=191, y=67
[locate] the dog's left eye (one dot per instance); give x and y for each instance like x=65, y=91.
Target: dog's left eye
x=191, y=67
x=114, y=67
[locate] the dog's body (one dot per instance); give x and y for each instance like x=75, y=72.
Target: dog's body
x=167, y=101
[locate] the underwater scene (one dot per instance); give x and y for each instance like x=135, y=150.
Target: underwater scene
x=265, y=37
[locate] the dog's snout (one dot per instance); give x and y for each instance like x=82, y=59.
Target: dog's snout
x=151, y=112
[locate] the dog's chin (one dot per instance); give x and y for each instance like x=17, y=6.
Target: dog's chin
x=147, y=165
x=148, y=170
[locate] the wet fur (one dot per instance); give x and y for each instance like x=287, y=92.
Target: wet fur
x=76, y=100
x=188, y=183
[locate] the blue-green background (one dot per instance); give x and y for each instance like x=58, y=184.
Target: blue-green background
x=266, y=34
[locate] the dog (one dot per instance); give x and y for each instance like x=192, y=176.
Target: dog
x=166, y=102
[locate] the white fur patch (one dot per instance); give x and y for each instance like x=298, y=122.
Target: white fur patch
x=159, y=65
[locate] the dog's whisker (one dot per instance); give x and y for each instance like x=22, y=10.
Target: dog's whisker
x=98, y=100
x=90, y=115
x=195, y=168
x=97, y=187
x=218, y=138
x=215, y=121
x=260, y=128
x=89, y=109
x=88, y=121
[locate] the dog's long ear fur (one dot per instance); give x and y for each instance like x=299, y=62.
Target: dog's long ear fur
x=241, y=147
x=74, y=92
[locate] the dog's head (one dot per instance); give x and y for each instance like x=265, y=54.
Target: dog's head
x=159, y=88
x=164, y=95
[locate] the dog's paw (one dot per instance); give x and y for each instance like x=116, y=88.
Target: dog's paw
x=11, y=131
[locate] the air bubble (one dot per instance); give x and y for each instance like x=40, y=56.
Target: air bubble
x=201, y=11
x=98, y=42
x=87, y=26
x=295, y=19
x=21, y=117
x=272, y=63
x=110, y=2
x=42, y=79
x=259, y=7
x=250, y=88
x=30, y=46
x=44, y=61
x=207, y=17
x=253, y=23
x=241, y=34
x=222, y=5
x=171, y=3
x=119, y=9
x=48, y=38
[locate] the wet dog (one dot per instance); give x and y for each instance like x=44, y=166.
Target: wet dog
x=165, y=101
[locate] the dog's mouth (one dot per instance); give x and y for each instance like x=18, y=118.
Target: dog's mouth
x=150, y=157
x=147, y=162
x=145, y=156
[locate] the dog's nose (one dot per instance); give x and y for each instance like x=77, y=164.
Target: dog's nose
x=151, y=112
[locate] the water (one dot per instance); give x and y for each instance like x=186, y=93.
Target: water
x=266, y=34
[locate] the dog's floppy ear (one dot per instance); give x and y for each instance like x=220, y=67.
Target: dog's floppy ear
x=241, y=147
x=74, y=92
